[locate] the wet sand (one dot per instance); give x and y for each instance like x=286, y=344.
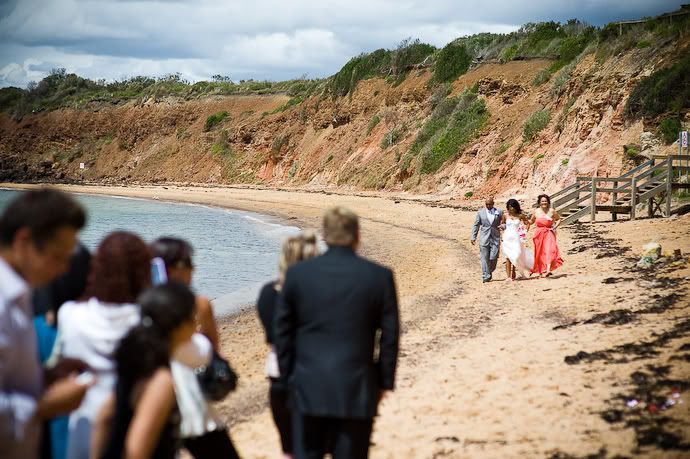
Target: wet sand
x=532, y=368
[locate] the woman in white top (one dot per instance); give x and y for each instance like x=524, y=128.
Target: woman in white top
x=91, y=329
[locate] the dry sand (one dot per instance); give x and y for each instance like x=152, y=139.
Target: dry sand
x=483, y=369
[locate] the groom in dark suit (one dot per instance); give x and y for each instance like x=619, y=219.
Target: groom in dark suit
x=330, y=312
x=487, y=224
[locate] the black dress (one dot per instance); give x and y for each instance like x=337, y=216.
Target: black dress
x=278, y=394
x=168, y=444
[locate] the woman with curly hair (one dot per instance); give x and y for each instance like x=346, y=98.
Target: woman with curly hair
x=90, y=329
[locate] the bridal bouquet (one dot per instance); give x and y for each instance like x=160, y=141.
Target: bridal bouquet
x=522, y=232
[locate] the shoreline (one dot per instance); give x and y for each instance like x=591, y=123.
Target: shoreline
x=483, y=369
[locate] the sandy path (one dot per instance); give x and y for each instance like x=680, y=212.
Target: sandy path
x=482, y=371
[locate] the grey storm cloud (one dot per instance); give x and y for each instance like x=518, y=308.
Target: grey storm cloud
x=262, y=39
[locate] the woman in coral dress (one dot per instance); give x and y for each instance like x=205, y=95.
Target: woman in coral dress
x=546, y=254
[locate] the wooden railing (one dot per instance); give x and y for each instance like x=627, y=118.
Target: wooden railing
x=652, y=181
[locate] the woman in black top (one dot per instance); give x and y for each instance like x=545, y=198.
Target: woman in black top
x=295, y=249
x=144, y=423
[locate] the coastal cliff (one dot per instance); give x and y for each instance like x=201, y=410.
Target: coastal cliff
x=514, y=124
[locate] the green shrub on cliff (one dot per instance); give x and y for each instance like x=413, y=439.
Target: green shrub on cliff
x=535, y=124
x=408, y=54
x=665, y=91
x=373, y=122
x=438, y=121
x=294, y=101
x=668, y=130
x=452, y=61
x=379, y=63
x=359, y=68
x=571, y=47
x=466, y=121
x=9, y=98
x=214, y=119
x=541, y=77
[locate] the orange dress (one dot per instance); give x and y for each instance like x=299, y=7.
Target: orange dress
x=546, y=254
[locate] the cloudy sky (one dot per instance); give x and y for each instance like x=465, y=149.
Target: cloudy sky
x=260, y=39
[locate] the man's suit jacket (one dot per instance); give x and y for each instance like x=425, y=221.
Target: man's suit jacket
x=326, y=322
x=489, y=233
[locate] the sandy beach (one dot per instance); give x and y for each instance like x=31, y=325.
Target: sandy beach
x=583, y=364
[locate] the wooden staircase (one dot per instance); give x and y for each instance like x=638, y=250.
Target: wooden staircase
x=652, y=182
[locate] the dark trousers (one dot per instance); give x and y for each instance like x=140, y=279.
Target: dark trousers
x=216, y=444
x=282, y=417
x=344, y=438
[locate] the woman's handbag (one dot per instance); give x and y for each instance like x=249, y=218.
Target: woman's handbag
x=216, y=379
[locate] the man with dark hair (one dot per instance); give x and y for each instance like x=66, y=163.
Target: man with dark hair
x=330, y=312
x=38, y=232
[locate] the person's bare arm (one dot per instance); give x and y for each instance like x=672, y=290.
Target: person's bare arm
x=206, y=321
x=151, y=412
x=556, y=219
x=61, y=397
x=502, y=225
x=101, y=427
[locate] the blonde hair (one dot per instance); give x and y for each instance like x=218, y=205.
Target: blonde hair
x=340, y=226
x=296, y=248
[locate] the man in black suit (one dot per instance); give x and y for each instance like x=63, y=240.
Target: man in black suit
x=330, y=310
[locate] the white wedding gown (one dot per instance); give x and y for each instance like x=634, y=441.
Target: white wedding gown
x=514, y=249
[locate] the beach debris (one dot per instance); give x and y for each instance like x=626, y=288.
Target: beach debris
x=452, y=438
x=673, y=399
x=652, y=408
x=612, y=280
x=650, y=254
x=612, y=416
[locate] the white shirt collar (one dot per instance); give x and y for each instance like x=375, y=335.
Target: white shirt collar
x=12, y=286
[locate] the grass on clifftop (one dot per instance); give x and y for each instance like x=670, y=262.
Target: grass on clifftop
x=562, y=42
x=380, y=63
x=60, y=89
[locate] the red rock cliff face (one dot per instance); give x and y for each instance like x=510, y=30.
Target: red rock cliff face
x=328, y=143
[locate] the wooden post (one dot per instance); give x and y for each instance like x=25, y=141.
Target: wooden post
x=614, y=198
x=593, y=204
x=680, y=152
x=633, y=197
x=650, y=207
x=669, y=185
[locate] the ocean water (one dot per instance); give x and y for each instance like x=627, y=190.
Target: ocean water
x=235, y=252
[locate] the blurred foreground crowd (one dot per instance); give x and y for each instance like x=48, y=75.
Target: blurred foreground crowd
x=114, y=356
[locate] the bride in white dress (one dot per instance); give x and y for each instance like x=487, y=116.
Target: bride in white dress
x=514, y=227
